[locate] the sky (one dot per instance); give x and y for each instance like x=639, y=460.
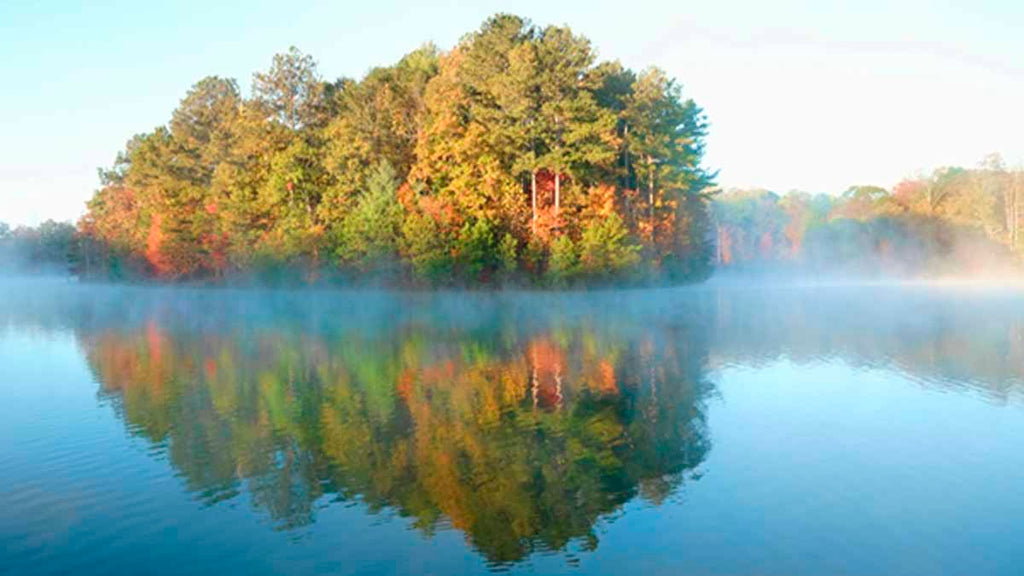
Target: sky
x=808, y=95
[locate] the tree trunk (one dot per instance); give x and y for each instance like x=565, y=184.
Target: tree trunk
x=533, y=200
x=1009, y=207
x=625, y=156
x=558, y=192
x=650, y=193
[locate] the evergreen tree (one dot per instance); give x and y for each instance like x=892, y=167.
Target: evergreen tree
x=372, y=230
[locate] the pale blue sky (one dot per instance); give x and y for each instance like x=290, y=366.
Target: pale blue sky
x=800, y=94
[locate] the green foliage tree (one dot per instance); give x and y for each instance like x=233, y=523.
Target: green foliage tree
x=477, y=250
x=377, y=119
x=576, y=133
x=663, y=144
x=508, y=257
x=606, y=251
x=291, y=91
x=564, y=262
x=371, y=232
x=427, y=248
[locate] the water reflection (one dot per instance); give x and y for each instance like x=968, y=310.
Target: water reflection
x=520, y=420
x=520, y=436
x=945, y=338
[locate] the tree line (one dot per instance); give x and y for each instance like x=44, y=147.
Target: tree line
x=952, y=220
x=514, y=157
x=43, y=248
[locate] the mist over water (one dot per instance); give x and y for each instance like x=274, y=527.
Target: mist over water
x=731, y=427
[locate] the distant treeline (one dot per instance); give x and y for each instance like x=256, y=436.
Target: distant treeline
x=514, y=157
x=952, y=221
x=49, y=247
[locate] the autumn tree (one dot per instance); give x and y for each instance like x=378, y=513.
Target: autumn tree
x=377, y=119
x=494, y=148
x=291, y=91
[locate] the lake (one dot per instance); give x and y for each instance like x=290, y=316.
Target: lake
x=746, y=429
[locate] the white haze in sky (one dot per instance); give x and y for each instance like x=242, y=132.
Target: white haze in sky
x=800, y=95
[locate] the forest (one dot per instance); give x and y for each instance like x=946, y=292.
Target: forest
x=515, y=157
x=952, y=221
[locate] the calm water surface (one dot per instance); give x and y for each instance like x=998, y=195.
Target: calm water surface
x=830, y=430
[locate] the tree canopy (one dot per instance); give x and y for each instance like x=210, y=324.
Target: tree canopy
x=496, y=153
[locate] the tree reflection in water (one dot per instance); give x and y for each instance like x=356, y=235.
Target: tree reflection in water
x=521, y=434
x=519, y=419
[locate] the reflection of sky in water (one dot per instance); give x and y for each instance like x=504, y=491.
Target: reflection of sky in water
x=826, y=469
x=836, y=444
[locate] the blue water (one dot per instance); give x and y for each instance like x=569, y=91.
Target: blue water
x=692, y=431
